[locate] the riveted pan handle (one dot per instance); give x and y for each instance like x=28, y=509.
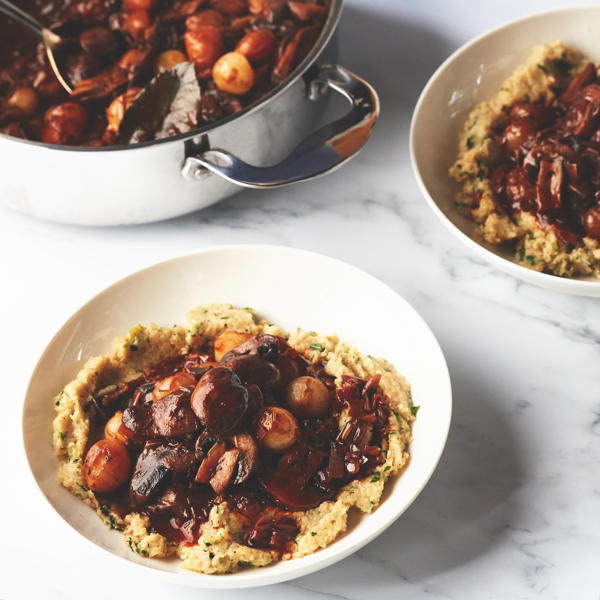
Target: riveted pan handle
x=322, y=151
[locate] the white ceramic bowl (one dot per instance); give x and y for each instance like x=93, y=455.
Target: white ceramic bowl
x=289, y=287
x=471, y=75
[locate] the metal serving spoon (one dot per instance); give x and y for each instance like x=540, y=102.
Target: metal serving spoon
x=49, y=38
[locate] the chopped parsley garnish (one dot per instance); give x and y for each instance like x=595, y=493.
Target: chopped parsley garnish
x=387, y=468
x=133, y=347
x=396, y=413
x=61, y=435
x=543, y=68
x=530, y=259
x=135, y=548
x=521, y=253
x=470, y=141
x=313, y=533
x=317, y=347
x=376, y=476
x=414, y=410
x=135, y=331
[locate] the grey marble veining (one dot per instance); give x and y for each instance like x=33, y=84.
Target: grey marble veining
x=512, y=510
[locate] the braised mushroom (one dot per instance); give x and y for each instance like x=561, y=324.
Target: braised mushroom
x=172, y=415
x=156, y=465
x=224, y=470
x=210, y=461
x=251, y=369
x=219, y=400
x=221, y=466
x=248, y=457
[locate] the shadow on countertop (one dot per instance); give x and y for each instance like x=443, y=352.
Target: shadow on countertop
x=396, y=56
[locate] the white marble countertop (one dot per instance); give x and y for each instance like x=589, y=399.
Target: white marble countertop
x=512, y=510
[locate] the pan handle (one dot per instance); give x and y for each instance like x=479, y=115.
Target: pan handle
x=321, y=152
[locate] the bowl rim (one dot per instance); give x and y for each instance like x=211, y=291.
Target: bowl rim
x=567, y=285
x=329, y=28
x=257, y=577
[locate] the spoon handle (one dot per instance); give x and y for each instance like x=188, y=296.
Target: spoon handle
x=14, y=12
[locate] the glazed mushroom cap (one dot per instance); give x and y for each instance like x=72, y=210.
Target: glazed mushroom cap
x=252, y=369
x=219, y=400
x=157, y=465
